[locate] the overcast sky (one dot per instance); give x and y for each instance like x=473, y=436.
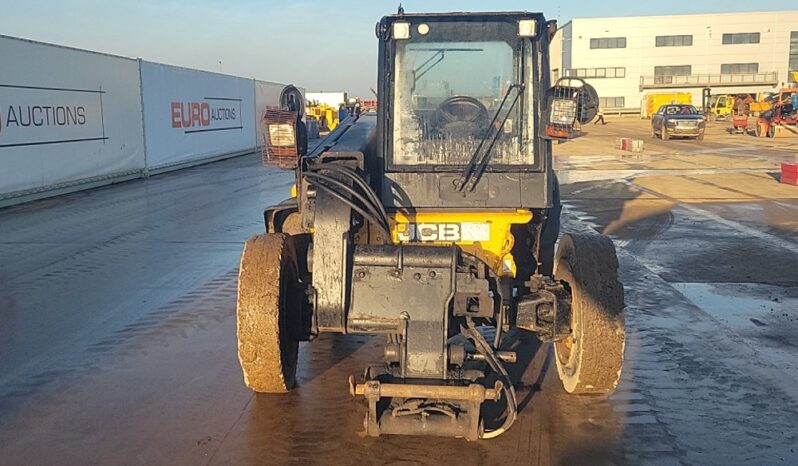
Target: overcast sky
x=321, y=45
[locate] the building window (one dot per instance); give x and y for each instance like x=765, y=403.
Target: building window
x=681, y=70
x=739, y=68
x=611, y=102
x=614, y=72
x=665, y=74
x=674, y=41
x=741, y=38
x=608, y=43
x=793, y=53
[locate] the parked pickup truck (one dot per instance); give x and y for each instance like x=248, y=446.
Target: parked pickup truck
x=678, y=120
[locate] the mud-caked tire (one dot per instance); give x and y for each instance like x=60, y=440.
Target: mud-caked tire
x=589, y=360
x=268, y=300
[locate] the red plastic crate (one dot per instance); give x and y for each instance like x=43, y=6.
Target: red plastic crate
x=789, y=173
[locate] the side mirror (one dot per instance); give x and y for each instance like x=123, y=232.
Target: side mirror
x=568, y=102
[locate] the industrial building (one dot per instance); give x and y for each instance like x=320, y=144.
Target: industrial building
x=626, y=58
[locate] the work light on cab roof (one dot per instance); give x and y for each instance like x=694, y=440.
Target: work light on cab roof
x=401, y=29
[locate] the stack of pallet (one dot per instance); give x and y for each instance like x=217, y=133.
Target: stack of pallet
x=629, y=144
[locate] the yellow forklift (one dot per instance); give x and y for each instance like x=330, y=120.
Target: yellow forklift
x=433, y=223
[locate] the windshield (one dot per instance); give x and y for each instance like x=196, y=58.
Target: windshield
x=448, y=91
x=680, y=110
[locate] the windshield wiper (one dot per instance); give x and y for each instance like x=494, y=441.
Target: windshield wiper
x=426, y=66
x=477, y=164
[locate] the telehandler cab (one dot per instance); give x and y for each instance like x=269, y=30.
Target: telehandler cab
x=433, y=222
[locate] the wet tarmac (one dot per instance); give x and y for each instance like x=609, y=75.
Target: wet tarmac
x=117, y=343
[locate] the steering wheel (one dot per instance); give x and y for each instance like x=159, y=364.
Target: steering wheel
x=461, y=115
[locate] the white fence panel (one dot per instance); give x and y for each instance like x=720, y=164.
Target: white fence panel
x=66, y=116
x=193, y=115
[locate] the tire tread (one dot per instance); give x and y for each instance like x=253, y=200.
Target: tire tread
x=266, y=352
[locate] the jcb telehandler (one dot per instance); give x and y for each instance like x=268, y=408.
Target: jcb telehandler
x=434, y=223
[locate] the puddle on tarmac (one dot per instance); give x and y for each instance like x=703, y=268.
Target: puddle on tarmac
x=766, y=316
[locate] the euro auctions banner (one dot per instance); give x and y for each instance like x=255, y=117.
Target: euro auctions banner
x=211, y=114
x=66, y=115
x=36, y=115
x=193, y=115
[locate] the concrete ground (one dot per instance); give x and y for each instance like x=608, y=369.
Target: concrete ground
x=117, y=335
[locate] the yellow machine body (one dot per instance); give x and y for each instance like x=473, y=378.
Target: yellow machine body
x=324, y=112
x=722, y=105
x=484, y=234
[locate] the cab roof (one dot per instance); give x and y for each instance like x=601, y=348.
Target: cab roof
x=467, y=16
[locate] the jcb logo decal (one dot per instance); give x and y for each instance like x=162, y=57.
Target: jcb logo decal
x=407, y=232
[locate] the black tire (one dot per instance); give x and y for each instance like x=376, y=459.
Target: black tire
x=268, y=299
x=760, y=131
x=771, y=131
x=590, y=359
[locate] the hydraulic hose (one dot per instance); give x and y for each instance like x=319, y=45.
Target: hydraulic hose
x=512, y=404
x=352, y=192
x=354, y=176
x=367, y=215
